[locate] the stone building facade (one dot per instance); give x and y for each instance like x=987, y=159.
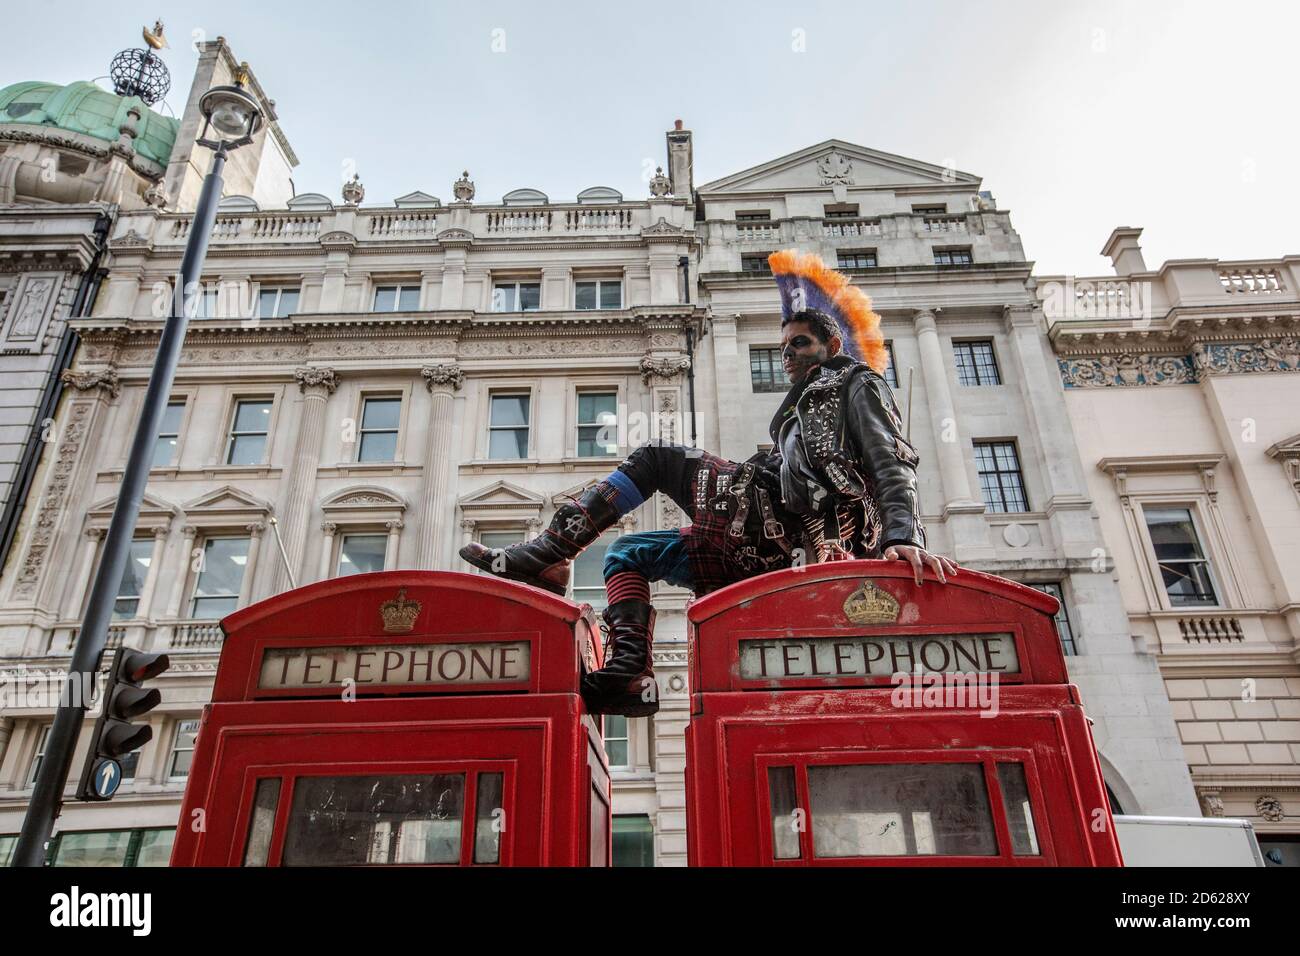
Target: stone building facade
x=1181, y=386
x=390, y=381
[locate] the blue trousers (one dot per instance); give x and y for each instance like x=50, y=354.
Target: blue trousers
x=659, y=555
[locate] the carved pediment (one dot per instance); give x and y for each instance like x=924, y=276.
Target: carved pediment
x=228, y=499
x=364, y=496
x=835, y=162
x=501, y=493
x=416, y=200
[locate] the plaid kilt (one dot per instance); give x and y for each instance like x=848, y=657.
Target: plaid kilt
x=717, y=559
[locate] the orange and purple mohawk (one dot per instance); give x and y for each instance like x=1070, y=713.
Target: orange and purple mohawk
x=808, y=283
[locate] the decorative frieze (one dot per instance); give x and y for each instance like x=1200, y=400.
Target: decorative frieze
x=1108, y=370
x=1206, y=358
x=55, y=500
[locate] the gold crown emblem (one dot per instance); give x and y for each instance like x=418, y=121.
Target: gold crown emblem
x=870, y=605
x=399, y=614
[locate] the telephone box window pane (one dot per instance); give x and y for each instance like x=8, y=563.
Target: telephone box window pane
x=901, y=810
x=155, y=848
x=362, y=553
x=349, y=821
x=1020, y=815
x=598, y=834
x=262, y=823
x=785, y=821
x=105, y=848
x=487, y=829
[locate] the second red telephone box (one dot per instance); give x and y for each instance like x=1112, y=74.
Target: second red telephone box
x=843, y=715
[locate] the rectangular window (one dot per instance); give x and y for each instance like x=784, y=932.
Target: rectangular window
x=753, y=215
x=39, y=755
x=361, y=553
x=1062, y=616
x=616, y=740
x=127, y=604
x=92, y=848
x=891, y=373
x=929, y=210
x=840, y=211
x=588, y=572
x=183, y=748
x=516, y=296
x=397, y=298
x=598, y=294
x=380, y=417
x=1001, y=482
x=248, y=431
x=765, y=371
x=221, y=573
x=597, y=424
x=499, y=539
x=7, y=843
x=856, y=258
x=508, y=427
x=169, y=433
x=203, y=304
x=976, y=363
x=1183, y=566
x=755, y=264
x=276, y=303
x=953, y=257
x=633, y=839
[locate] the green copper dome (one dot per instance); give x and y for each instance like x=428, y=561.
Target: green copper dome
x=85, y=108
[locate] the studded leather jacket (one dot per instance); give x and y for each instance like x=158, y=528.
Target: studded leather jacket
x=841, y=440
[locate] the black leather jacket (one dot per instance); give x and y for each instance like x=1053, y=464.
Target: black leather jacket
x=840, y=438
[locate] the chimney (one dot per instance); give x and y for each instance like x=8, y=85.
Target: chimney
x=1124, y=252
x=680, y=162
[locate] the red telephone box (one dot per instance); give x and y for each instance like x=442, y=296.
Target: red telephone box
x=842, y=715
x=403, y=717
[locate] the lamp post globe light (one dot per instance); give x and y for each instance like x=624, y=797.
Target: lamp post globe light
x=233, y=116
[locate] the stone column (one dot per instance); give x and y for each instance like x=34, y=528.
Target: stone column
x=316, y=385
x=726, y=371
x=467, y=526
x=1068, y=506
x=145, y=607
x=327, y=550
x=254, y=548
x=435, y=504
x=178, y=586
x=390, y=552
x=961, y=512
x=93, y=537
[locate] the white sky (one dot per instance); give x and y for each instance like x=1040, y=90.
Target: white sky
x=1175, y=116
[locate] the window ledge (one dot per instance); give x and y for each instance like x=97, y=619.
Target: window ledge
x=345, y=468
x=265, y=470
x=478, y=466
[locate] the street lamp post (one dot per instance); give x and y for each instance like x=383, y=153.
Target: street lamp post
x=233, y=116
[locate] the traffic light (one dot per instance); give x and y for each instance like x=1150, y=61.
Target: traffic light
x=114, y=735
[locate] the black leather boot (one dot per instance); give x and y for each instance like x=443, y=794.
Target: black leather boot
x=544, y=561
x=626, y=684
